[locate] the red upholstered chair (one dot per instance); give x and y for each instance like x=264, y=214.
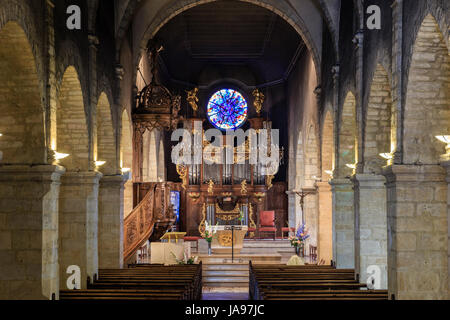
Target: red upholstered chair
x=192, y=239
x=267, y=223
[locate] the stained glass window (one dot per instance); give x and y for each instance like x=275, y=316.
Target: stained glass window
x=227, y=109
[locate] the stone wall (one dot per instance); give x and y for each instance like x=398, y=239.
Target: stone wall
x=427, y=111
x=343, y=223
x=110, y=222
x=78, y=224
x=29, y=232
x=370, y=227
x=417, y=231
x=22, y=119
x=72, y=132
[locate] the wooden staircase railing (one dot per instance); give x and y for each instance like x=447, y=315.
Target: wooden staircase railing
x=138, y=225
x=152, y=217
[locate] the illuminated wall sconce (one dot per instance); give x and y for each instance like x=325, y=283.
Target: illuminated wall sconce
x=59, y=156
x=329, y=172
x=387, y=156
x=444, y=139
x=1, y=134
x=125, y=170
x=99, y=163
x=351, y=165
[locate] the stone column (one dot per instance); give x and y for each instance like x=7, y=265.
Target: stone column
x=446, y=164
x=110, y=222
x=343, y=223
x=325, y=236
x=370, y=226
x=78, y=224
x=295, y=219
x=417, y=231
x=29, y=231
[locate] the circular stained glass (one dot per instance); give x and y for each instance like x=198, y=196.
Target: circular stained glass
x=227, y=109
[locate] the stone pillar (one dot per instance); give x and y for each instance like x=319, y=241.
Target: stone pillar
x=294, y=216
x=29, y=231
x=417, y=231
x=446, y=165
x=343, y=223
x=370, y=226
x=78, y=224
x=110, y=222
x=325, y=237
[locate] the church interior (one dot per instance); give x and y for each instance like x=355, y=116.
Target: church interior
x=224, y=149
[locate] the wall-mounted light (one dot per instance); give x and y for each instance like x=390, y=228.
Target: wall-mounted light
x=59, y=156
x=125, y=170
x=387, y=156
x=329, y=172
x=1, y=134
x=99, y=163
x=444, y=139
x=351, y=165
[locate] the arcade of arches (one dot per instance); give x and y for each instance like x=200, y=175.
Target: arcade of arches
x=357, y=110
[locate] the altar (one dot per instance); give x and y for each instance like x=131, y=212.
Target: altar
x=227, y=238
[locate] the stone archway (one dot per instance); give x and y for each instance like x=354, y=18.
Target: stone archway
x=29, y=188
x=78, y=201
x=22, y=116
x=427, y=112
x=417, y=195
x=106, y=143
x=378, y=122
x=347, y=136
x=283, y=9
x=72, y=131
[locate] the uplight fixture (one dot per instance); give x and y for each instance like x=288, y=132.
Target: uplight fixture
x=351, y=165
x=59, y=156
x=387, y=156
x=99, y=163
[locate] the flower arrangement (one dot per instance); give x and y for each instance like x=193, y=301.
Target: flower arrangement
x=209, y=232
x=185, y=260
x=300, y=236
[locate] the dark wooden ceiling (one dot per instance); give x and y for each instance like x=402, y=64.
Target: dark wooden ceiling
x=224, y=33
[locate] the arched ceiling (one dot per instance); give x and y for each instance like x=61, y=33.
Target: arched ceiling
x=231, y=35
x=147, y=17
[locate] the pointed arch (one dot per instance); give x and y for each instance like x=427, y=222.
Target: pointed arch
x=72, y=131
x=347, y=135
x=106, y=144
x=22, y=116
x=428, y=96
x=378, y=122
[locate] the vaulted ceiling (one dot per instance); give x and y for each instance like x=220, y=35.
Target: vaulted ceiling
x=229, y=35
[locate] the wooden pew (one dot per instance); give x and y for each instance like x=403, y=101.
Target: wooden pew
x=148, y=282
x=310, y=282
